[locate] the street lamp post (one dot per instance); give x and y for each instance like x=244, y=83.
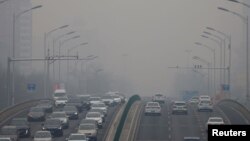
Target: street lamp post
x=245, y=20
x=208, y=67
x=46, y=45
x=68, y=53
x=15, y=17
x=228, y=37
x=60, y=45
x=214, y=61
x=220, y=45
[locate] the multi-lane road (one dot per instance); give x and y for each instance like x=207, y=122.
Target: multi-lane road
x=169, y=127
x=35, y=126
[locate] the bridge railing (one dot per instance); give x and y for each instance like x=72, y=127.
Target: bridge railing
x=124, y=116
x=10, y=112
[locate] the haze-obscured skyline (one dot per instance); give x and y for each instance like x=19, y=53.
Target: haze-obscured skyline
x=139, y=40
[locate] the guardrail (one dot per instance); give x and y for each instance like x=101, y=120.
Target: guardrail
x=238, y=106
x=10, y=112
x=124, y=116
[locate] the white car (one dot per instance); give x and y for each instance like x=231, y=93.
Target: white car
x=205, y=105
x=179, y=107
x=89, y=130
x=194, y=100
x=100, y=106
x=95, y=116
x=159, y=98
x=94, y=100
x=204, y=97
x=61, y=101
x=77, y=137
x=152, y=108
x=42, y=136
x=59, y=93
x=214, y=121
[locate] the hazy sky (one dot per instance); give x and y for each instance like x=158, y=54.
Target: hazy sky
x=140, y=39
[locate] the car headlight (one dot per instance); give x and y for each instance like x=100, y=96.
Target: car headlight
x=75, y=113
x=43, y=128
x=99, y=121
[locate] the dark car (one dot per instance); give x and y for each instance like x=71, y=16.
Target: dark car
x=54, y=126
x=47, y=105
x=36, y=114
x=22, y=126
x=85, y=101
x=71, y=112
x=75, y=102
x=9, y=132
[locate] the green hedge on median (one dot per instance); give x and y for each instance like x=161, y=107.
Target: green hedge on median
x=124, y=116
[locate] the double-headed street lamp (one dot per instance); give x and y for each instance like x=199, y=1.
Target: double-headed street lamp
x=214, y=61
x=60, y=45
x=228, y=37
x=46, y=46
x=15, y=17
x=68, y=53
x=245, y=20
x=208, y=67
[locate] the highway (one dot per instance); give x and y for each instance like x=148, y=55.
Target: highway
x=35, y=126
x=168, y=127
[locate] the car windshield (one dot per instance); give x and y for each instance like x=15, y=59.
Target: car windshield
x=69, y=108
x=88, y=121
x=215, y=120
x=8, y=131
x=152, y=104
x=87, y=127
x=99, y=105
x=60, y=94
x=52, y=122
x=42, y=135
x=55, y=115
x=180, y=104
x=62, y=98
x=205, y=102
x=18, y=122
x=95, y=98
x=77, y=137
x=37, y=109
x=93, y=115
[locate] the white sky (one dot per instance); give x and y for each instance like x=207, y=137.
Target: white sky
x=153, y=34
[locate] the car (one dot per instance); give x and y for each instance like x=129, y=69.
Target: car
x=95, y=116
x=117, y=99
x=9, y=131
x=102, y=112
x=159, y=98
x=61, y=101
x=85, y=100
x=22, y=126
x=179, y=107
x=5, y=139
x=214, y=121
x=59, y=93
x=194, y=100
x=36, y=114
x=62, y=116
x=42, y=136
x=191, y=139
x=89, y=121
x=94, y=100
x=71, y=112
x=47, y=105
x=77, y=137
x=204, y=97
x=205, y=105
x=152, y=108
x=89, y=130
x=75, y=102
x=100, y=106
x=108, y=100
x=54, y=126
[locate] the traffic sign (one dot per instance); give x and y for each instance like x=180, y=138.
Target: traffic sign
x=31, y=87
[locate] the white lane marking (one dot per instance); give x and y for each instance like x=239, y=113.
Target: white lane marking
x=223, y=114
x=240, y=114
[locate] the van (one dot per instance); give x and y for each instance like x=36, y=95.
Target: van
x=59, y=93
